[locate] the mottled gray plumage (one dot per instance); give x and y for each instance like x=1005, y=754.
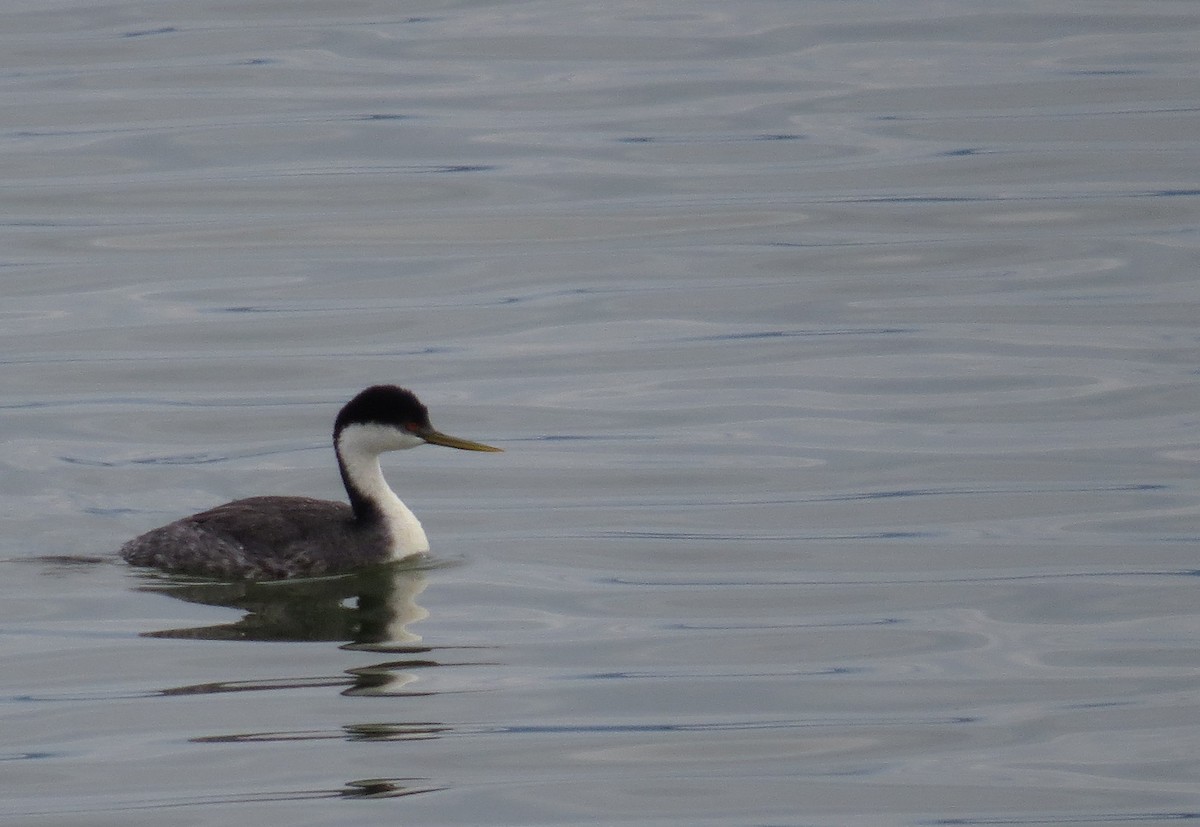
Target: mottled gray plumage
x=263, y=538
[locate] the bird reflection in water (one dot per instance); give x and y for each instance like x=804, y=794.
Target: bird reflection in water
x=369, y=609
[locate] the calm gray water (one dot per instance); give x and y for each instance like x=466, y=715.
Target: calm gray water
x=845, y=356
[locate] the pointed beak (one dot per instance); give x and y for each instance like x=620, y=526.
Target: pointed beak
x=438, y=438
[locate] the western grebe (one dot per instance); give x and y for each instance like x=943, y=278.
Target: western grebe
x=270, y=538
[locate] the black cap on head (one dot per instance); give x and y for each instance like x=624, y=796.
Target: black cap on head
x=384, y=405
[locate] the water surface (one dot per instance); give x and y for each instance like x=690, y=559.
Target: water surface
x=844, y=355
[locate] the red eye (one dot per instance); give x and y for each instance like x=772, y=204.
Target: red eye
x=412, y=427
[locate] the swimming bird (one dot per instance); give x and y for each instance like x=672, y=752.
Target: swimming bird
x=271, y=538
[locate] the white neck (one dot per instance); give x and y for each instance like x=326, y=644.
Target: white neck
x=358, y=448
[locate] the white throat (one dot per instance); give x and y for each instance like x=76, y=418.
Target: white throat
x=358, y=448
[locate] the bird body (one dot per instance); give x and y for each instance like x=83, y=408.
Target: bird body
x=269, y=538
